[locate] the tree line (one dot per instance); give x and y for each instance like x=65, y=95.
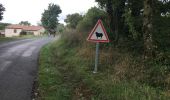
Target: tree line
x=138, y=28
x=143, y=23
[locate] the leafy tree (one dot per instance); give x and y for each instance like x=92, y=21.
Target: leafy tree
x=90, y=19
x=161, y=28
x=2, y=9
x=160, y=7
x=135, y=6
x=3, y=25
x=25, y=23
x=49, y=18
x=133, y=20
x=130, y=25
x=73, y=19
x=60, y=28
x=115, y=10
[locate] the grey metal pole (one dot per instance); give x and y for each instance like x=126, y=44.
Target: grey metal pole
x=96, y=57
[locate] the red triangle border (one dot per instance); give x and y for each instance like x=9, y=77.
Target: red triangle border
x=99, y=22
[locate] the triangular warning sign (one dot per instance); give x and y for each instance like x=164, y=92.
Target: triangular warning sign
x=98, y=34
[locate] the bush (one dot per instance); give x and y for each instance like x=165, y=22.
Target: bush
x=90, y=19
x=23, y=33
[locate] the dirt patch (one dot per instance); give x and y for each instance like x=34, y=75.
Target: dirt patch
x=82, y=92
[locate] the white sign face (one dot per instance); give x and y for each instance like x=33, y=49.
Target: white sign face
x=98, y=34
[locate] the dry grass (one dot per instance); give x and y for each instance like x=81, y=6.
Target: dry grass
x=122, y=66
x=72, y=63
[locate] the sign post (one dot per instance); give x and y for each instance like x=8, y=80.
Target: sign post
x=98, y=34
x=96, y=57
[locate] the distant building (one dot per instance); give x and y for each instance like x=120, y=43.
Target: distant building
x=17, y=30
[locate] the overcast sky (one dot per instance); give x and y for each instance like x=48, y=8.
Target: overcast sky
x=31, y=10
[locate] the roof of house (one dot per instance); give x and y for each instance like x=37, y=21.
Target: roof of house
x=26, y=28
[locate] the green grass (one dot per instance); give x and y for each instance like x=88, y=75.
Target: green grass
x=64, y=75
x=52, y=85
x=29, y=36
x=7, y=39
x=4, y=39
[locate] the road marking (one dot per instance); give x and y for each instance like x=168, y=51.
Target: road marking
x=29, y=52
x=4, y=65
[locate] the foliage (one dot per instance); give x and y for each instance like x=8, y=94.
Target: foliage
x=23, y=33
x=129, y=20
x=123, y=74
x=129, y=28
x=49, y=18
x=25, y=23
x=52, y=85
x=60, y=28
x=3, y=25
x=148, y=29
x=115, y=10
x=161, y=7
x=73, y=19
x=66, y=74
x=2, y=9
x=135, y=7
x=7, y=39
x=133, y=38
x=90, y=19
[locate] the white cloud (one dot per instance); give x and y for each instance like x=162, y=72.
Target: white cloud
x=31, y=10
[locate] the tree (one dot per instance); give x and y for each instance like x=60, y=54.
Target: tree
x=60, y=28
x=148, y=29
x=3, y=25
x=115, y=10
x=135, y=6
x=49, y=18
x=72, y=20
x=133, y=20
x=2, y=9
x=90, y=19
x=25, y=23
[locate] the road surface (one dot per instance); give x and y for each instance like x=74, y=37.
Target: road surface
x=18, y=67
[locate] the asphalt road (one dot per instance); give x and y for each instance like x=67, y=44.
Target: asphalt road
x=18, y=67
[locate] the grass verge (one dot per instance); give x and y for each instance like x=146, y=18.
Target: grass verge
x=65, y=75
x=8, y=39
x=4, y=39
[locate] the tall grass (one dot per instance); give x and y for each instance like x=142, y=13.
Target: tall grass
x=66, y=73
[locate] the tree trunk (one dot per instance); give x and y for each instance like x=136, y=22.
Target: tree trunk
x=148, y=29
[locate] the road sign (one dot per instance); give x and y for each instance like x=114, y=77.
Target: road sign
x=98, y=34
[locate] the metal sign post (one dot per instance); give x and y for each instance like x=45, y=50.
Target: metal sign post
x=96, y=57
